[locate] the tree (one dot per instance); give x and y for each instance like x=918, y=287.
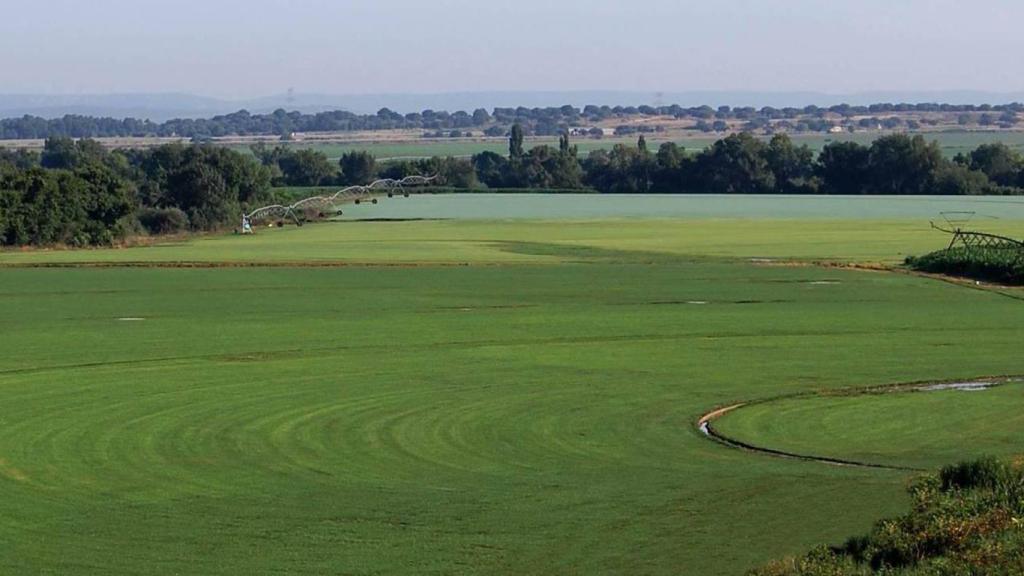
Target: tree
x=792, y=166
x=295, y=167
x=643, y=165
x=481, y=117
x=1001, y=164
x=202, y=192
x=899, y=164
x=305, y=167
x=454, y=172
x=88, y=206
x=107, y=202
x=358, y=167
x=735, y=164
x=490, y=168
x=211, y=185
x=68, y=154
x=841, y=168
x=958, y=179
x=671, y=169
x=60, y=153
x=515, y=142
x=20, y=159
x=560, y=169
x=615, y=171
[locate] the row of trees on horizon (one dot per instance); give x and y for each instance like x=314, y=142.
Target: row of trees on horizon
x=78, y=193
x=738, y=164
x=549, y=121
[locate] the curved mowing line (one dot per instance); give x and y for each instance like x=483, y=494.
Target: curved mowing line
x=705, y=421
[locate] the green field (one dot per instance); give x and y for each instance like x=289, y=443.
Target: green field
x=1000, y=212
x=952, y=143
x=487, y=228
x=481, y=396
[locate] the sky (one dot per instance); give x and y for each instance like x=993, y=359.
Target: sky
x=252, y=48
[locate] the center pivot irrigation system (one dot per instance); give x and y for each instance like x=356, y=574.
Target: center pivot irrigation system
x=321, y=206
x=979, y=243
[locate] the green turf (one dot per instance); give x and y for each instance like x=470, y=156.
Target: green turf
x=988, y=211
x=477, y=228
x=923, y=429
x=530, y=412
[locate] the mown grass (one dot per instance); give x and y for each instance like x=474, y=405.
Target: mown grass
x=531, y=411
x=479, y=241
x=475, y=228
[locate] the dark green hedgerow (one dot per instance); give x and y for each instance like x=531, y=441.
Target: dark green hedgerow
x=967, y=519
x=1003, y=266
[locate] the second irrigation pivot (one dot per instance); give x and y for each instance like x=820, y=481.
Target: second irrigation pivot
x=318, y=206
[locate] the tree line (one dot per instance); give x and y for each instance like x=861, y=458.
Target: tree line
x=78, y=193
x=540, y=121
x=897, y=164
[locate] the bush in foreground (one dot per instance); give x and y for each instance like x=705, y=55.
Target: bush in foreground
x=967, y=519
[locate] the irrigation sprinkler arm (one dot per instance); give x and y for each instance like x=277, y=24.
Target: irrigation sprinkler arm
x=352, y=192
x=941, y=229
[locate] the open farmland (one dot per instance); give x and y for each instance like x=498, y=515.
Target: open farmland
x=492, y=392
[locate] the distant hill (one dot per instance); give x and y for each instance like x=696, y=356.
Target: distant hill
x=161, y=107
x=155, y=107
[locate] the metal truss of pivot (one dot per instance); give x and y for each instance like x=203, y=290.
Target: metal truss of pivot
x=982, y=242
x=323, y=204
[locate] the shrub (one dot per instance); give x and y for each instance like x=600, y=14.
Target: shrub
x=985, y=473
x=163, y=220
x=1003, y=266
x=966, y=519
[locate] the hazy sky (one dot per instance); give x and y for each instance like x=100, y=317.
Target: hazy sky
x=247, y=48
